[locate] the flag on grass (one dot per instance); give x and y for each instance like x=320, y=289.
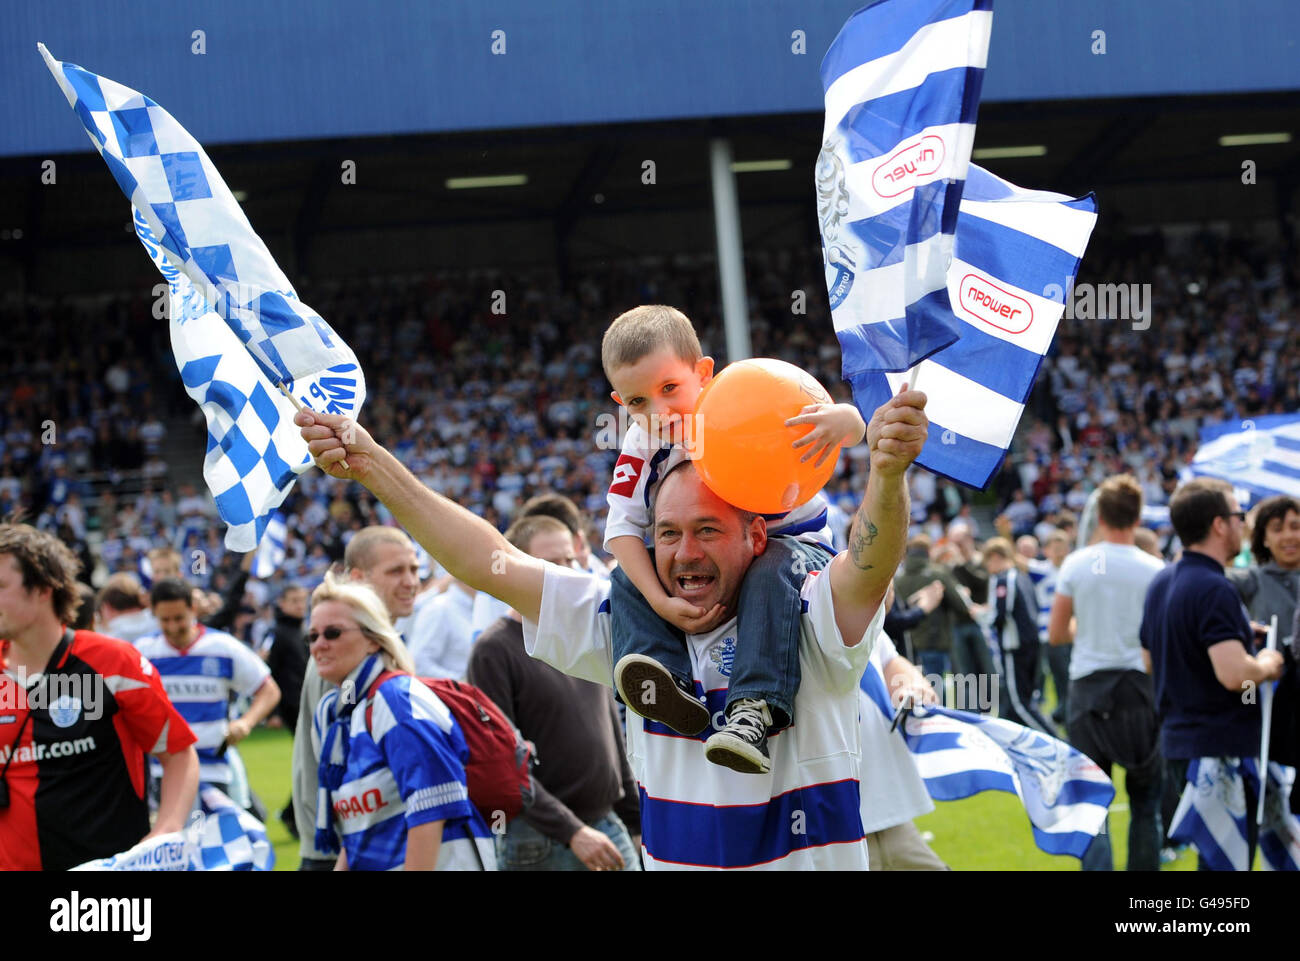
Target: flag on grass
x=221, y=837
x=1214, y=816
x=902, y=82
x=1014, y=263
x=238, y=329
x=959, y=754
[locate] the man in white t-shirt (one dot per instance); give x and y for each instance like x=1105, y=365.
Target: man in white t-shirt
x=1112, y=710
x=804, y=813
x=893, y=792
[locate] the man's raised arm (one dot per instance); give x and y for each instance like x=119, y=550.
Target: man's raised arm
x=469, y=547
x=861, y=575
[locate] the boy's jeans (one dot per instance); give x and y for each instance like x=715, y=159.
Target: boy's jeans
x=766, y=664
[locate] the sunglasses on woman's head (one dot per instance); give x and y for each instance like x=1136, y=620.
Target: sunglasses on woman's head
x=331, y=633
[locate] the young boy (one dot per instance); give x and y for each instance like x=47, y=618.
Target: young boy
x=652, y=357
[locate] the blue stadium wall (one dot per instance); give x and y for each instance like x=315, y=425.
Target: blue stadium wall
x=276, y=70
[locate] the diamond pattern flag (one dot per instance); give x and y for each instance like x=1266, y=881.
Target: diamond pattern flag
x=220, y=837
x=238, y=330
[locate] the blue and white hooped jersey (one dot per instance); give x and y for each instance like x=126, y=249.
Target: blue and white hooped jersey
x=201, y=681
x=642, y=465
x=407, y=770
x=695, y=815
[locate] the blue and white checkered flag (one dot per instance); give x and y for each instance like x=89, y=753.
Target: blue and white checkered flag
x=238, y=330
x=1213, y=814
x=902, y=81
x=221, y=838
x=959, y=754
x=1014, y=262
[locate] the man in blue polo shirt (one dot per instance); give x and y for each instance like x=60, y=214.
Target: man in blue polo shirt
x=1199, y=640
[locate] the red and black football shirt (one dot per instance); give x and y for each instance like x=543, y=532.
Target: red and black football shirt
x=77, y=779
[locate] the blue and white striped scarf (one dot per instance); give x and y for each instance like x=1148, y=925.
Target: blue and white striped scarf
x=334, y=717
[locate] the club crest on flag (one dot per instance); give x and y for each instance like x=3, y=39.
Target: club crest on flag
x=838, y=249
x=1044, y=760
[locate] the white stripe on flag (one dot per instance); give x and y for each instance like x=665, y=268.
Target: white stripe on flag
x=883, y=294
x=1036, y=338
x=866, y=201
x=1047, y=218
x=959, y=404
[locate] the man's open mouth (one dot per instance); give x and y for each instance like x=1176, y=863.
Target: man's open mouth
x=689, y=584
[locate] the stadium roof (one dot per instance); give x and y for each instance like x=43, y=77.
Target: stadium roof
x=1150, y=160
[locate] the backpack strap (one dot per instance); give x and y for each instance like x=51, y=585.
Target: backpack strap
x=374, y=689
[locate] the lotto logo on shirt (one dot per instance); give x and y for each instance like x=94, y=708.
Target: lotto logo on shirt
x=366, y=803
x=626, y=474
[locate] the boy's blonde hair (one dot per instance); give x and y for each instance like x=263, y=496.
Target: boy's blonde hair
x=370, y=614
x=641, y=331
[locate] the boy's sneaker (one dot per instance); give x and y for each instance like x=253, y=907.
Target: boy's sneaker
x=742, y=744
x=649, y=689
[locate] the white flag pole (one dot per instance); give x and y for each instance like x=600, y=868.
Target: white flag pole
x=1266, y=709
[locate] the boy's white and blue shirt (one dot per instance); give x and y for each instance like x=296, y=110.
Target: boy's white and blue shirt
x=643, y=464
x=695, y=815
x=201, y=681
x=408, y=769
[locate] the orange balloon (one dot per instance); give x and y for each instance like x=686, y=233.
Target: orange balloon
x=741, y=445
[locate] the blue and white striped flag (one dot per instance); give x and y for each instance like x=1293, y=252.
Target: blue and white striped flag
x=273, y=549
x=222, y=838
x=1014, y=263
x=902, y=82
x=1213, y=814
x=958, y=754
x=238, y=329
x=1260, y=457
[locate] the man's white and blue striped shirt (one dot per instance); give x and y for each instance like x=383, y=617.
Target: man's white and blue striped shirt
x=696, y=815
x=201, y=681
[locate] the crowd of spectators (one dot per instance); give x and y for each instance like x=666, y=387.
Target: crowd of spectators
x=491, y=408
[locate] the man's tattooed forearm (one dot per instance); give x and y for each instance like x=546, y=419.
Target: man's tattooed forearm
x=863, y=536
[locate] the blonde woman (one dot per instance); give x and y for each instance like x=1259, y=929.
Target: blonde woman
x=1014, y=608
x=392, y=758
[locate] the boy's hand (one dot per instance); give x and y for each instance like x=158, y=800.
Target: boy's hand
x=685, y=616
x=834, y=426
x=332, y=438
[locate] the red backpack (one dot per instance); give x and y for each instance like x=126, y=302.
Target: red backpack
x=499, y=772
